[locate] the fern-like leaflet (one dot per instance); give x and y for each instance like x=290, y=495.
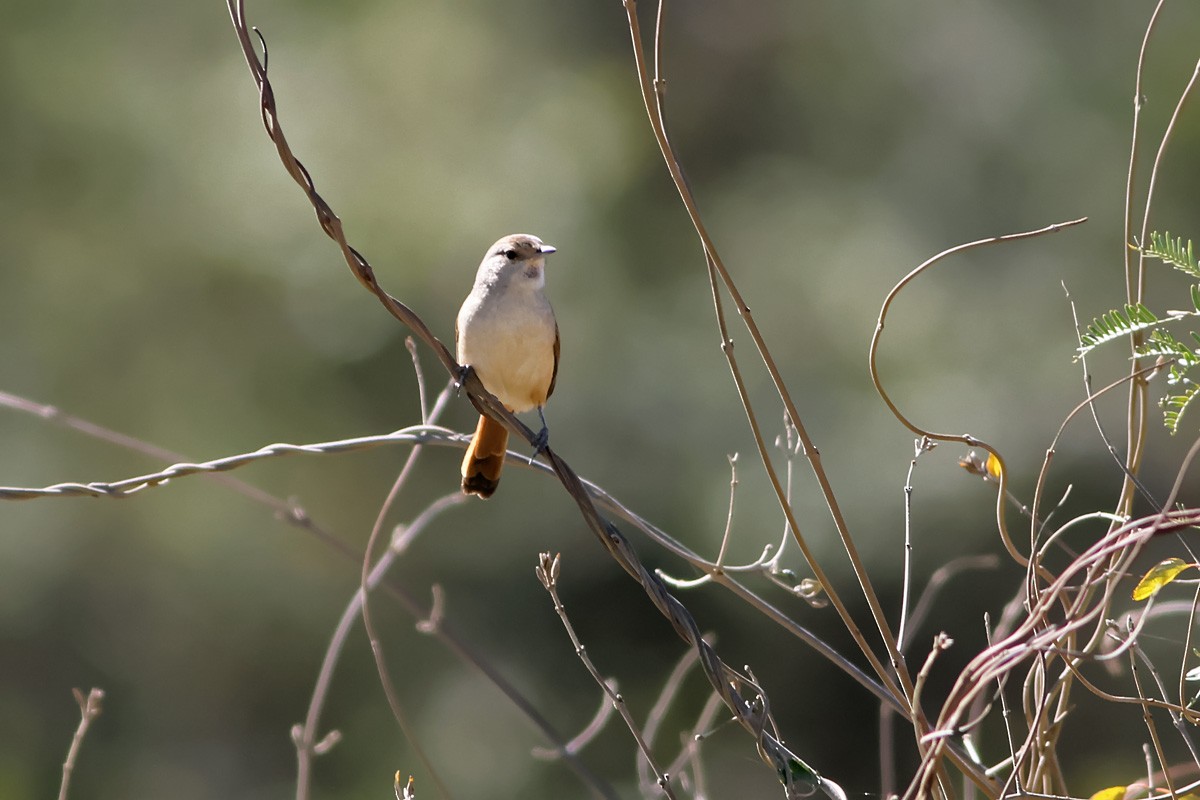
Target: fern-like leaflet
x=1162, y=344
x=1174, y=405
x=1172, y=354
x=1173, y=252
x=1114, y=325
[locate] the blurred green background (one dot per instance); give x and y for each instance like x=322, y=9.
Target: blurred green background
x=161, y=275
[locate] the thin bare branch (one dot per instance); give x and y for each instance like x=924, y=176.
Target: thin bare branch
x=548, y=571
x=922, y=445
x=1136, y=415
x=690, y=754
x=90, y=706
x=1148, y=719
x=415, y=434
x=590, y=731
x=658, y=711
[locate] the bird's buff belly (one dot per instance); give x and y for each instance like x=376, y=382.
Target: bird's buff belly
x=515, y=365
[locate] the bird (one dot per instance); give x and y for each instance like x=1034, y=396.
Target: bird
x=506, y=332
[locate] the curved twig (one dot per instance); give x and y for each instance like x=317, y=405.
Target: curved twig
x=966, y=439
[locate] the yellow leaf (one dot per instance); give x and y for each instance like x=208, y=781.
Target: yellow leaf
x=993, y=466
x=1159, y=576
x=1111, y=793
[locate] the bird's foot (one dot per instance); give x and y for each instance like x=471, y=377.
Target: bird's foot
x=460, y=379
x=540, y=443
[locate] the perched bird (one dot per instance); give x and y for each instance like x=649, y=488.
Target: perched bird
x=507, y=333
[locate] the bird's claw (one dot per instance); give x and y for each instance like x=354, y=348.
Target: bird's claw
x=540, y=443
x=460, y=378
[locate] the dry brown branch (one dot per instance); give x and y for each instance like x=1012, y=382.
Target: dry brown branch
x=1148, y=720
x=1138, y=404
x=1041, y=633
x=1133, y=281
x=1174, y=711
x=1135, y=278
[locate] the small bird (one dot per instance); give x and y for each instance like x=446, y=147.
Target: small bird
x=507, y=333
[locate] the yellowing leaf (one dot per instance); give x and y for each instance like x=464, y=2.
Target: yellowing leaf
x=1159, y=576
x=1111, y=793
x=993, y=466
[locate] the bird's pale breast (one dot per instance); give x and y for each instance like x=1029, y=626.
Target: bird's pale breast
x=511, y=346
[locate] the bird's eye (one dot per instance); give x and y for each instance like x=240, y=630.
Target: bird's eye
x=511, y=255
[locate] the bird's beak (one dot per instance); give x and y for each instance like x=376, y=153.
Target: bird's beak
x=548, y=248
